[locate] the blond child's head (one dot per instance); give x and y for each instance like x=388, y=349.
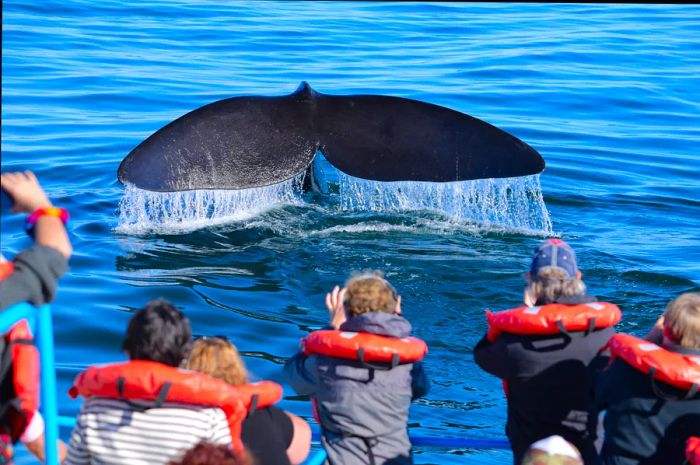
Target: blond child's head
x=218, y=358
x=370, y=292
x=682, y=320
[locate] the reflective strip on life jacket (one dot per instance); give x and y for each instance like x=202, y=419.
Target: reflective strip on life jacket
x=678, y=370
x=151, y=381
x=552, y=319
x=365, y=347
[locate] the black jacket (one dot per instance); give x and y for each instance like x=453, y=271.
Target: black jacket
x=644, y=427
x=550, y=384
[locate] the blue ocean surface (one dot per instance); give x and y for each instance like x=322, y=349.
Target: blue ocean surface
x=608, y=94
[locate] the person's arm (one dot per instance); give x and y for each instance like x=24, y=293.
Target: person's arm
x=420, y=385
x=300, y=444
x=28, y=196
x=34, y=440
x=301, y=373
x=35, y=276
x=656, y=335
x=492, y=356
x=604, y=384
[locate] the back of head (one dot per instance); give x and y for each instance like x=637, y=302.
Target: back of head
x=682, y=320
x=206, y=453
x=554, y=273
x=159, y=332
x=218, y=358
x=369, y=292
x=553, y=450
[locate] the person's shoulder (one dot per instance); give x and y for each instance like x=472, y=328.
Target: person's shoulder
x=270, y=413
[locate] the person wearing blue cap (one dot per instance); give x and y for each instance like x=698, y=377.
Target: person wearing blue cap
x=547, y=362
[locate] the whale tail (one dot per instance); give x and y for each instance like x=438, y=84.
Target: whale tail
x=244, y=142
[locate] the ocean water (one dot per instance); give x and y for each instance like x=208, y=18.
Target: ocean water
x=608, y=94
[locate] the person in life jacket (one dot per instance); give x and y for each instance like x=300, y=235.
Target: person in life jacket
x=273, y=436
x=547, y=354
x=147, y=410
x=31, y=277
x=360, y=399
x=650, y=389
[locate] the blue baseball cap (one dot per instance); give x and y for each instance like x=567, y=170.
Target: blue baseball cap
x=554, y=252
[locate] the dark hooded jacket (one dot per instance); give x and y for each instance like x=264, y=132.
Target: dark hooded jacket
x=550, y=384
x=645, y=423
x=363, y=412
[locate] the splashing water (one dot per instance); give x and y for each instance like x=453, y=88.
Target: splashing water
x=143, y=211
x=511, y=203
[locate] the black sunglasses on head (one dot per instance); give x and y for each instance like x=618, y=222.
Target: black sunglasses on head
x=206, y=338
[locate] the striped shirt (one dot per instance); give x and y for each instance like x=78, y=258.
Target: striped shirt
x=110, y=431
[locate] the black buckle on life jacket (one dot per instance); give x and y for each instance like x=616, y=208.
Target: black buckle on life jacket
x=160, y=399
x=591, y=327
x=659, y=392
x=254, y=401
x=383, y=367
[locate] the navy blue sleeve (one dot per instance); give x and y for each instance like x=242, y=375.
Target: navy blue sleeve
x=301, y=373
x=420, y=384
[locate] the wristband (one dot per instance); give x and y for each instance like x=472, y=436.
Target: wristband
x=60, y=213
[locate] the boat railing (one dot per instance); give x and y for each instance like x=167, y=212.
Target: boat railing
x=41, y=323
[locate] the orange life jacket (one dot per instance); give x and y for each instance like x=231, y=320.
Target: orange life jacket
x=22, y=359
x=692, y=451
x=678, y=370
x=552, y=319
x=152, y=381
x=365, y=347
x=6, y=269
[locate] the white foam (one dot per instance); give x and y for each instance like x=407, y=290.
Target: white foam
x=142, y=211
x=510, y=203
x=491, y=205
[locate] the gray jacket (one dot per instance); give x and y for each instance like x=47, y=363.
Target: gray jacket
x=37, y=270
x=363, y=411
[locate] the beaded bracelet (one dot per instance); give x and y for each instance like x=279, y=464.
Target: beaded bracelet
x=60, y=213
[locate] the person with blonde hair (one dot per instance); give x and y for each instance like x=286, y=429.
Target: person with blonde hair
x=546, y=359
x=273, y=436
x=362, y=402
x=649, y=420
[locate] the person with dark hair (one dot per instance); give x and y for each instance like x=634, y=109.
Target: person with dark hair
x=147, y=410
x=31, y=277
x=650, y=390
x=160, y=333
x=206, y=453
x=547, y=354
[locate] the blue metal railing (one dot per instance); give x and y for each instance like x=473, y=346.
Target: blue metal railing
x=43, y=336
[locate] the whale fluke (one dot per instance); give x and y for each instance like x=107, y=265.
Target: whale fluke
x=244, y=142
